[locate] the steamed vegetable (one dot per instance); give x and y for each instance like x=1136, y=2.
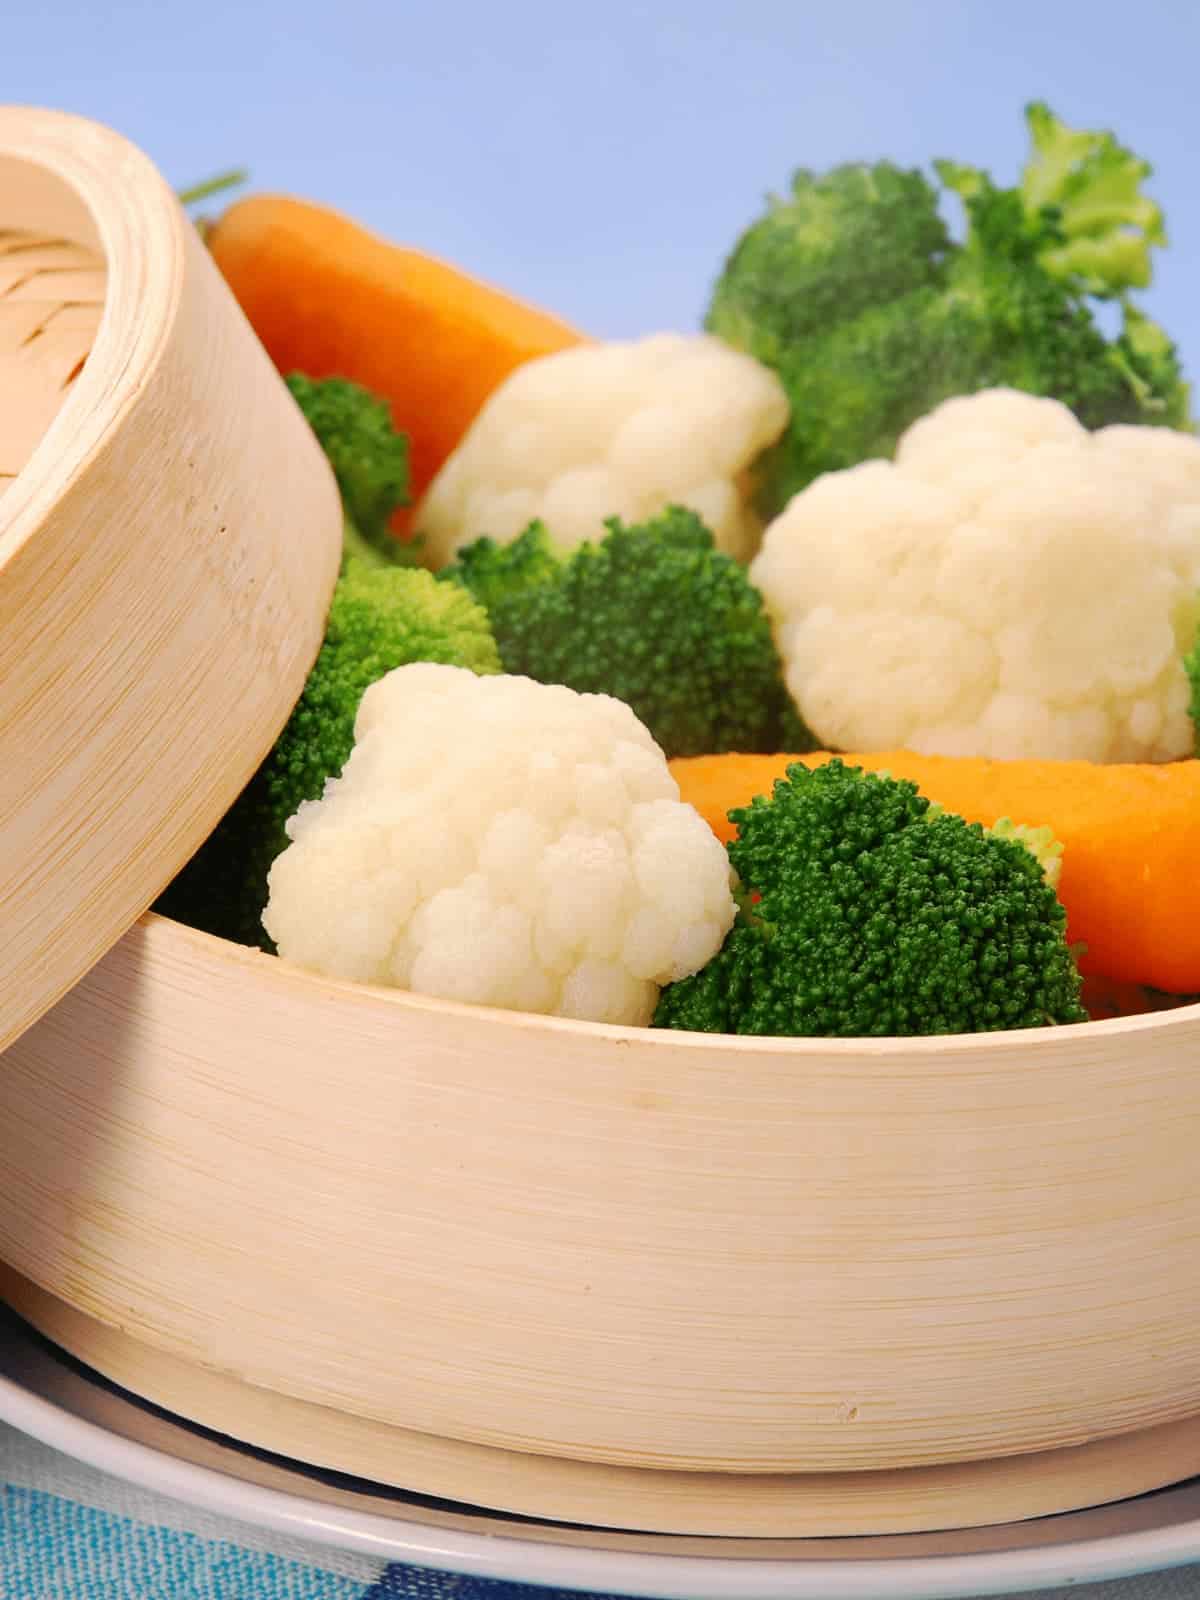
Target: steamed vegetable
x=866, y=914
x=469, y=800
x=1011, y=586
x=503, y=842
x=380, y=618
x=331, y=299
x=369, y=460
x=610, y=430
x=1130, y=838
x=852, y=289
x=653, y=615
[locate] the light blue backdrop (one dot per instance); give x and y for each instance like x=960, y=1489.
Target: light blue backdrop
x=601, y=158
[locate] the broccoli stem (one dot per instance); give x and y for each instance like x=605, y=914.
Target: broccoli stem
x=214, y=185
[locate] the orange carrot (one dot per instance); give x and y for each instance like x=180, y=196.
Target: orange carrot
x=330, y=299
x=1130, y=834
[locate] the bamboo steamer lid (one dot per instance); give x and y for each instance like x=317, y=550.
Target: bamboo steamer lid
x=169, y=538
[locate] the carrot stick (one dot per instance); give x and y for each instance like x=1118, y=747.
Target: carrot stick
x=330, y=299
x=1130, y=834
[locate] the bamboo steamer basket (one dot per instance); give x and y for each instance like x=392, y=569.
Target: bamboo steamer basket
x=653, y=1281
x=686, y=1283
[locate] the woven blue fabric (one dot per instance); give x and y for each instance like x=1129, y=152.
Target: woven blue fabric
x=414, y=1583
x=54, y=1549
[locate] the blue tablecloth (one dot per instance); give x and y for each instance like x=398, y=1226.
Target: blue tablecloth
x=68, y=1532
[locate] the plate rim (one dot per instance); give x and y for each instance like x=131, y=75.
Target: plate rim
x=519, y=1558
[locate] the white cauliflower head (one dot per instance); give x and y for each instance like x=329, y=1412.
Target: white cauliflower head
x=1011, y=586
x=503, y=842
x=610, y=430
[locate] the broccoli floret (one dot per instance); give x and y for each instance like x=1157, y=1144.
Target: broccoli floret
x=837, y=245
x=369, y=460
x=1002, y=324
x=653, y=615
x=865, y=915
x=871, y=316
x=500, y=575
x=379, y=618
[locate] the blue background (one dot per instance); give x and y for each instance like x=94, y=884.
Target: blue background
x=600, y=159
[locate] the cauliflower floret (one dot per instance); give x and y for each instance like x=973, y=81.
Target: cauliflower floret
x=503, y=842
x=610, y=430
x=1011, y=586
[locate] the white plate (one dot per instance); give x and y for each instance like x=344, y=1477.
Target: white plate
x=49, y=1396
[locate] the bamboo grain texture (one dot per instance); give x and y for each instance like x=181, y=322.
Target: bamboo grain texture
x=169, y=537
x=602, y=1245
x=730, y=1505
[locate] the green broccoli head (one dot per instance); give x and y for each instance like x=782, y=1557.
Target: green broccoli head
x=369, y=460
x=857, y=237
x=1003, y=322
x=840, y=288
x=866, y=915
x=653, y=615
x=871, y=316
x=380, y=618
x=500, y=574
